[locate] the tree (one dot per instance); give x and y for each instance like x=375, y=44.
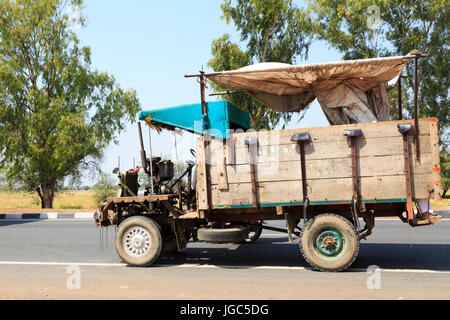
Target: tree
x=57, y=115
x=372, y=28
x=271, y=32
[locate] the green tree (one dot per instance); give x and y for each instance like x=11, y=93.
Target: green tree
x=57, y=115
x=375, y=28
x=445, y=172
x=271, y=31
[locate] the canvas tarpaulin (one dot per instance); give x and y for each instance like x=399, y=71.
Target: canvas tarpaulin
x=348, y=91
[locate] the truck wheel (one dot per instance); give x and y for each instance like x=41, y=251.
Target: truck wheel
x=139, y=241
x=254, y=233
x=329, y=243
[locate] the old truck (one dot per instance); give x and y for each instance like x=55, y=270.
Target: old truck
x=329, y=184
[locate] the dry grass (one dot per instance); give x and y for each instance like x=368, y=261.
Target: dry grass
x=443, y=205
x=67, y=200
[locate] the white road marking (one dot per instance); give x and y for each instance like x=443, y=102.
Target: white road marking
x=206, y=266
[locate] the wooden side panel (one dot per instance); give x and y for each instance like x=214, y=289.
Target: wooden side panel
x=202, y=176
x=328, y=164
x=221, y=171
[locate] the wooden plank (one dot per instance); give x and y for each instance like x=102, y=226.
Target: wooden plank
x=221, y=170
x=330, y=134
x=390, y=187
x=317, y=150
x=322, y=169
x=202, y=176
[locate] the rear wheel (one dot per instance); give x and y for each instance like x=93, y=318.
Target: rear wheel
x=329, y=243
x=139, y=241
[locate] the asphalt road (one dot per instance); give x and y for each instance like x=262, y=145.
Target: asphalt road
x=63, y=260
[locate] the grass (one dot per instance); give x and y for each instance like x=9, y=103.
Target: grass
x=444, y=204
x=67, y=200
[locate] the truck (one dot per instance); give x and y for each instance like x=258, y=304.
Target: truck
x=329, y=184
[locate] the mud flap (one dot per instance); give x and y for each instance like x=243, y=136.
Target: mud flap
x=179, y=235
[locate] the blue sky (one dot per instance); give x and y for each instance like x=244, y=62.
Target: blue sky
x=149, y=46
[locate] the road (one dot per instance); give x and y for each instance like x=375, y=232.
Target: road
x=62, y=260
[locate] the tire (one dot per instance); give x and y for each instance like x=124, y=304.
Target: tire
x=228, y=235
x=329, y=243
x=254, y=234
x=139, y=241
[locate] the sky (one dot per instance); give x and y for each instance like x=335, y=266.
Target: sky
x=149, y=46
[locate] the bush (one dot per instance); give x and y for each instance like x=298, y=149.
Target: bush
x=105, y=187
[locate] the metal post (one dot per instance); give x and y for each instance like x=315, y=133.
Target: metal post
x=405, y=130
x=409, y=189
x=205, y=142
x=301, y=138
x=416, y=105
x=252, y=144
x=143, y=155
x=151, y=160
x=357, y=205
x=202, y=92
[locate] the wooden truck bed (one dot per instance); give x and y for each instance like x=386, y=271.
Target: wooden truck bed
x=226, y=181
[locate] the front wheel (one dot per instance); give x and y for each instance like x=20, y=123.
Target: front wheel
x=139, y=241
x=329, y=243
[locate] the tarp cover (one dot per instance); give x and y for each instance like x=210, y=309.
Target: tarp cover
x=352, y=91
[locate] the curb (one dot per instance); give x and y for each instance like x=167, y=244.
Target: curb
x=47, y=216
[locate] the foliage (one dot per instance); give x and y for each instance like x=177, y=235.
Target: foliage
x=372, y=28
x=445, y=172
x=57, y=115
x=271, y=31
x=105, y=187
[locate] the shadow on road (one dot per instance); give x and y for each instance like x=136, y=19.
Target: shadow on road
x=6, y=223
x=404, y=256
x=276, y=252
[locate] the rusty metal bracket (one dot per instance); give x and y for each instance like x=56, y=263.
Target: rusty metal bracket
x=405, y=129
x=179, y=235
x=301, y=139
x=252, y=144
x=356, y=204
